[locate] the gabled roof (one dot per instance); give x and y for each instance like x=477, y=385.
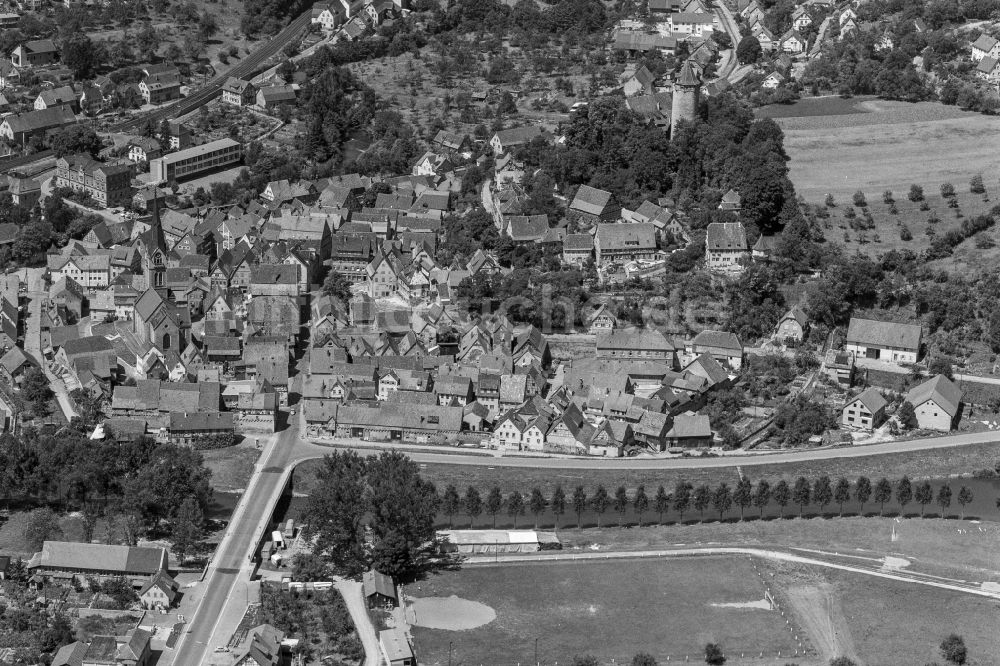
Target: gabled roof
x=869, y=332
x=870, y=398
x=640, y=235
x=984, y=43
x=719, y=339
x=591, y=200
x=944, y=392
x=524, y=228
x=726, y=236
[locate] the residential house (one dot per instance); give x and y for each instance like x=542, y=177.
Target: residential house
x=159, y=592
x=773, y=80
x=527, y=228
x=637, y=81
x=271, y=97
x=35, y=53
x=988, y=69
x=620, y=243
x=25, y=192
x=726, y=246
x=635, y=42
x=985, y=47
x=144, y=149
x=937, y=403
x=503, y=140
x=326, y=15
x=723, y=346
x=264, y=647
x=13, y=365
x=883, y=340
x=53, y=97
x=602, y=320
x=801, y=19
x=792, y=326
x=578, y=249
x=731, y=201
x=161, y=83
x=238, y=92
x=639, y=344
x=865, y=411
x=693, y=23
x=792, y=42
x=449, y=141
x=592, y=206
x=20, y=127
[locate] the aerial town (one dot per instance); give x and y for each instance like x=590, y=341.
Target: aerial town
x=408, y=332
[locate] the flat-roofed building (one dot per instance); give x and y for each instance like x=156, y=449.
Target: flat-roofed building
x=192, y=161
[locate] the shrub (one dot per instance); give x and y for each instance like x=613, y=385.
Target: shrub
x=947, y=190
x=976, y=185
x=850, y=214
x=887, y=197
x=829, y=202
x=859, y=199
x=916, y=193
x=924, y=206
x=905, y=234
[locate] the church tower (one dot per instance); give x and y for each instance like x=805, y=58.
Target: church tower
x=687, y=90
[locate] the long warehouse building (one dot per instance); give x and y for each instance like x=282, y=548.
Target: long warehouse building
x=193, y=161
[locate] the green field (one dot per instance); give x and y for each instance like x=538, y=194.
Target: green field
x=887, y=147
x=610, y=610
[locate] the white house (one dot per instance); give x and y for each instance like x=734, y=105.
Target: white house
x=865, y=411
x=689, y=23
x=773, y=80
x=937, y=403
x=883, y=340
x=985, y=47
x=801, y=19
x=988, y=69
x=792, y=42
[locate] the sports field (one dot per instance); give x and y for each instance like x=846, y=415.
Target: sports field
x=609, y=610
x=840, y=146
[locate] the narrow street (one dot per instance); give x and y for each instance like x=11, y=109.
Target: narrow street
x=355, y=600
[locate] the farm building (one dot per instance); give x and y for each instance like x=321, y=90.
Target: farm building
x=937, y=403
x=723, y=346
x=395, y=648
x=866, y=411
x=884, y=340
x=470, y=542
x=379, y=589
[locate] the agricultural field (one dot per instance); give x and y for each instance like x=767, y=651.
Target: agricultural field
x=666, y=608
x=876, y=145
x=878, y=621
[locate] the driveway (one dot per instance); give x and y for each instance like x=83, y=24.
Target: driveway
x=355, y=600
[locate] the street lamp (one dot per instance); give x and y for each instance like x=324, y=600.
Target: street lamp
x=536, y=651
x=450, y=644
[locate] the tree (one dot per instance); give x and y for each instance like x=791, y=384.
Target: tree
x=976, y=185
x=451, y=503
x=41, y=525
x=762, y=496
x=859, y=199
x=644, y=659
x=904, y=493
x=862, y=493
x=81, y=55
x=842, y=661
x=907, y=416
x=722, y=499
x=599, y=502
x=494, y=504
x=964, y=498
x=883, y=493
x=579, y=504
x=682, y=499
x=337, y=286
x=941, y=365
x=748, y=51
x=842, y=493
x=586, y=660
x=308, y=567
x=536, y=504
x=743, y=494
x=822, y=492
x=714, y=655
x=782, y=495
x=207, y=26
x=35, y=387
x=473, y=505
x=953, y=649
x=702, y=498
x=947, y=190
x=76, y=139
x=620, y=503
x=801, y=494
x=515, y=506
x=187, y=529
x=640, y=503
x=916, y=193
x=558, y=503
x=944, y=498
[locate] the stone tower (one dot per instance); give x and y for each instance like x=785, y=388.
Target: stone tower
x=687, y=90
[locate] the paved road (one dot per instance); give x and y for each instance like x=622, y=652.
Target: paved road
x=232, y=560
x=355, y=600
x=745, y=460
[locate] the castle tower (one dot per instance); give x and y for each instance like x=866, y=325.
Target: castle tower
x=687, y=90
